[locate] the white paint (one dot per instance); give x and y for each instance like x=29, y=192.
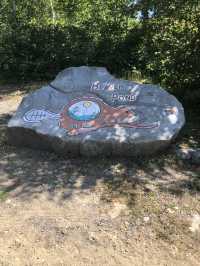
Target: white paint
x=172, y=114
x=173, y=119
x=37, y=115
x=123, y=97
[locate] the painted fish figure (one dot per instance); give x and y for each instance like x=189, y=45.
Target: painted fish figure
x=37, y=115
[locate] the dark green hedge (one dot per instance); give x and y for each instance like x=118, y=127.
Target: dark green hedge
x=165, y=46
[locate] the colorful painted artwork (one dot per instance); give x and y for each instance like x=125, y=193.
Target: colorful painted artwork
x=89, y=113
x=84, y=110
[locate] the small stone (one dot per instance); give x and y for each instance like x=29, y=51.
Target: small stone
x=170, y=211
x=184, y=153
x=150, y=187
x=196, y=157
x=146, y=219
x=92, y=236
x=195, y=223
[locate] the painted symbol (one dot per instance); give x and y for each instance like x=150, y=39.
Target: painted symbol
x=172, y=114
x=90, y=113
x=84, y=111
x=37, y=115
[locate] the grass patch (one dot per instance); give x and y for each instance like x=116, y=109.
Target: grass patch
x=3, y=195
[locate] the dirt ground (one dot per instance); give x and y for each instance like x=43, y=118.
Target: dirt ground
x=72, y=212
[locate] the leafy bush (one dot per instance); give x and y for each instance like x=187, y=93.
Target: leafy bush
x=37, y=41
x=171, y=54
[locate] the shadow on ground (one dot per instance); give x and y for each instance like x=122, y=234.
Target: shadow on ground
x=28, y=173
x=10, y=89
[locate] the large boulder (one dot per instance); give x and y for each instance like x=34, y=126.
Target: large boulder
x=86, y=111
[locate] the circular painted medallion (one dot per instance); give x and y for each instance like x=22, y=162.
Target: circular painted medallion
x=84, y=111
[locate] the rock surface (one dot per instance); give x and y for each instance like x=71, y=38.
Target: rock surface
x=190, y=155
x=86, y=111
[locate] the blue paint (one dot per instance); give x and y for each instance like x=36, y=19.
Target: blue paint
x=84, y=111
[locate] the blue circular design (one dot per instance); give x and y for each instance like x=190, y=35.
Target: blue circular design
x=84, y=111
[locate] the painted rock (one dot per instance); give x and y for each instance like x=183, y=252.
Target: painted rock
x=86, y=111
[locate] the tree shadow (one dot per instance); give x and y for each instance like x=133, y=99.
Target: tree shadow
x=26, y=173
x=190, y=134
x=16, y=88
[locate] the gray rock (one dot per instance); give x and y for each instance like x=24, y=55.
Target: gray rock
x=196, y=157
x=184, y=153
x=86, y=111
x=188, y=154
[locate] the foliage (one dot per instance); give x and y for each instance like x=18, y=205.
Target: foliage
x=169, y=52
x=39, y=38
x=159, y=38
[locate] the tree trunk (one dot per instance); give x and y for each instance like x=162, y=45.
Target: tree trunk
x=53, y=12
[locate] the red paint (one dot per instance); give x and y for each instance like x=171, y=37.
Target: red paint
x=108, y=117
